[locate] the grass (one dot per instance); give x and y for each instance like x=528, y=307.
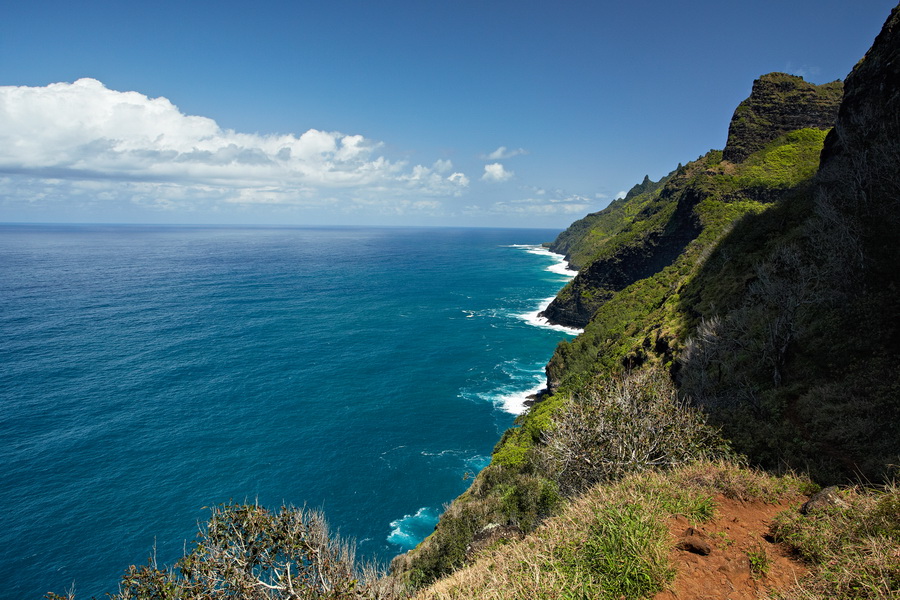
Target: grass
x=610, y=543
x=759, y=561
x=853, y=552
x=623, y=555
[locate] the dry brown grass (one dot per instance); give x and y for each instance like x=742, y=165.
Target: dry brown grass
x=542, y=566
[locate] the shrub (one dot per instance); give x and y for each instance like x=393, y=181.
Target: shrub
x=625, y=424
x=248, y=552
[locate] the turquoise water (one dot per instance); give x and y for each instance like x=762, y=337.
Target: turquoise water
x=149, y=372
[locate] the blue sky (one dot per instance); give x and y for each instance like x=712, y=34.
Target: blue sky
x=472, y=113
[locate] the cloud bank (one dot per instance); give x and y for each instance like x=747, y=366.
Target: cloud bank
x=126, y=143
x=540, y=203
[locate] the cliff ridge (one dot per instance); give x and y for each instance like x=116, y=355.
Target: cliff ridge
x=779, y=103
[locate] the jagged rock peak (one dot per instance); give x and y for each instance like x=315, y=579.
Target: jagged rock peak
x=780, y=103
x=868, y=113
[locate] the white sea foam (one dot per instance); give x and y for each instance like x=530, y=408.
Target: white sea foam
x=525, y=381
x=412, y=529
x=560, y=267
x=477, y=463
x=534, y=318
x=515, y=402
x=511, y=397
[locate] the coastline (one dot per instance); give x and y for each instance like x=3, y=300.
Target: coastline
x=520, y=403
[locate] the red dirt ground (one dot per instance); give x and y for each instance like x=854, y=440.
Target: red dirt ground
x=738, y=530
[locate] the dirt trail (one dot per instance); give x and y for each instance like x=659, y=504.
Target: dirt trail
x=739, y=533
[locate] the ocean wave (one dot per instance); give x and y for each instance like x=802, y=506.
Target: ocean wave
x=409, y=530
x=470, y=460
x=560, y=267
x=516, y=402
x=476, y=463
x=534, y=318
x=522, y=382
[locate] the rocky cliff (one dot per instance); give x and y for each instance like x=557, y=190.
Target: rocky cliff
x=766, y=288
x=779, y=103
x=659, y=234
x=640, y=235
x=800, y=369
x=859, y=171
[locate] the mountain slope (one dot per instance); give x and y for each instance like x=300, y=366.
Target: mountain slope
x=767, y=293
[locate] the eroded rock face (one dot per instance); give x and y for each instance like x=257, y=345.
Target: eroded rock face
x=780, y=103
x=861, y=158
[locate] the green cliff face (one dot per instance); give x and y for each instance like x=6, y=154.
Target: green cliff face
x=583, y=240
x=650, y=231
x=762, y=282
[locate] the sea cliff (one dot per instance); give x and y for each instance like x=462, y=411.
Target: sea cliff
x=760, y=281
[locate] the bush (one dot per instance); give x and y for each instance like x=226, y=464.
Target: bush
x=248, y=552
x=625, y=424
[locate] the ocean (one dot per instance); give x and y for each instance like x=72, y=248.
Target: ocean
x=150, y=372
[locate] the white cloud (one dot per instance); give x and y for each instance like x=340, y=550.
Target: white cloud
x=496, y=172
x=503, y=153
x=442, y=165
x=459, y=179
x=621, y=195
x=430, y=180
x=557, y=204
x=138, y=148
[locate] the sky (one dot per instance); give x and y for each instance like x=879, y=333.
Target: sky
x=408, y=113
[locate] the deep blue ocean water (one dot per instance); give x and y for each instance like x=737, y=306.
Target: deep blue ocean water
x=149, y=372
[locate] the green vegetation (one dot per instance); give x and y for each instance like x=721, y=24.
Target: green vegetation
x=786, y=162
x=248, y=552
x=623, y=555
x=759, y=561
x=611, y=542
x=584, y=239
x=853, y=549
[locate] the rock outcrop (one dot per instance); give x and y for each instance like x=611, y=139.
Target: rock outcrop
x=780, y=103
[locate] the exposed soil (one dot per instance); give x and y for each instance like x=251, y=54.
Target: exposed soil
x=740, y=530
